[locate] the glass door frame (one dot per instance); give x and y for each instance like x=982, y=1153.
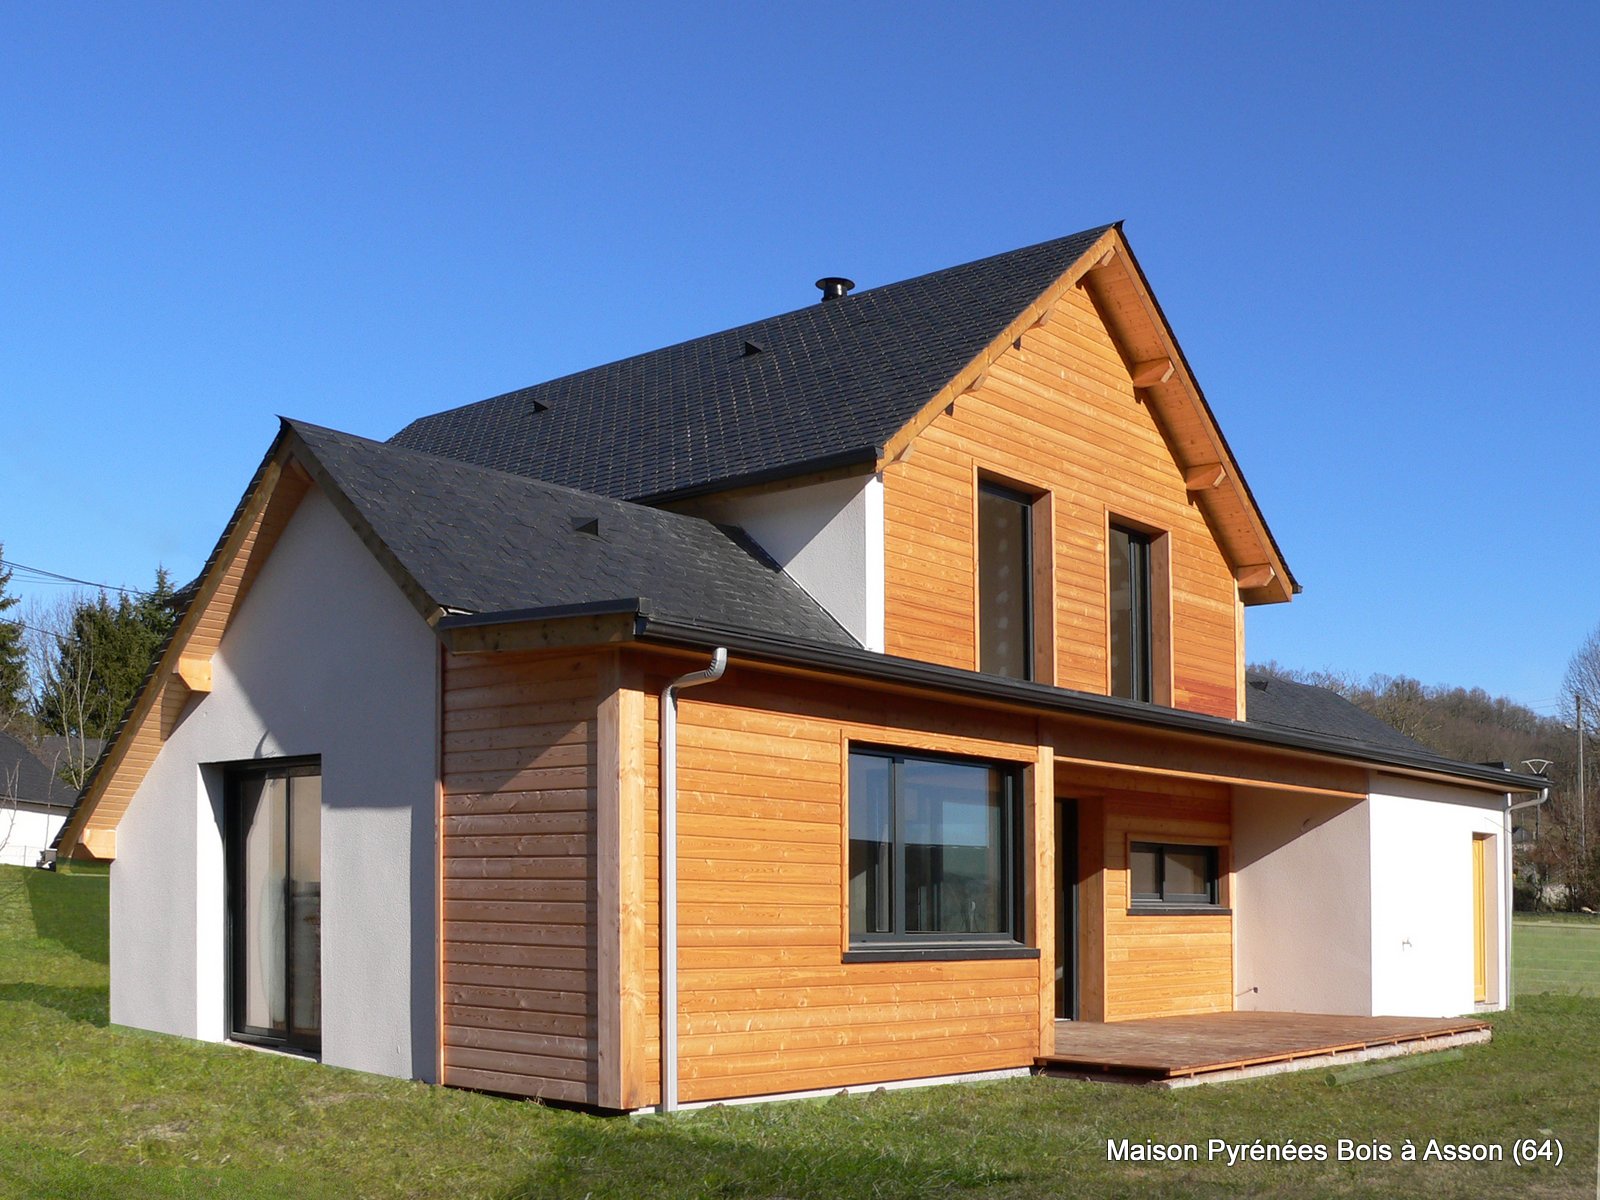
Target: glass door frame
x=233, y=833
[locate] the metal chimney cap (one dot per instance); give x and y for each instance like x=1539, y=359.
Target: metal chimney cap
x=834, y=287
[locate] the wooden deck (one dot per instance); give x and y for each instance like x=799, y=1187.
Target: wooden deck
x=1196, y=1048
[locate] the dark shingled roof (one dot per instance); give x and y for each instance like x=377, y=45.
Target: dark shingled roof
x=483, y=541
x=24, y=777
x=1270, y=700
x=822, y=386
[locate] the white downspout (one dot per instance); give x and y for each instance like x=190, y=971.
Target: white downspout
x=669, y=870
x=1511, y=882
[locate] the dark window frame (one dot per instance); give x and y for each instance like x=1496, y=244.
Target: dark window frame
x=898, y=943
x=1141, y=610
x=233, y=776
x=1162, y=900
x=1026, y=502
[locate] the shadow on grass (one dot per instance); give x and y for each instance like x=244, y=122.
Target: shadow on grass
x=86, y=1004
x=666, y=1158
x=71, y=910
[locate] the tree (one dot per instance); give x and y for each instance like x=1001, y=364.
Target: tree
x=91, y=655
x=13, y=654
x=1582, y=678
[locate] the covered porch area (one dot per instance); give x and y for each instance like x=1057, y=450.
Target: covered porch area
x=1213, y=1047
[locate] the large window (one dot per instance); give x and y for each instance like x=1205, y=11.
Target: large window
x=273, y=826
x=1166, y=875
x=933, y=852
x=1128, y=556
x=1005, y=582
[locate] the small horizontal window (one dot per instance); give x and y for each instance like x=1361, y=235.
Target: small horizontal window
x=1169, y=874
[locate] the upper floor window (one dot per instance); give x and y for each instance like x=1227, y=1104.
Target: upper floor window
x=1005, y=582
x=1128, y=558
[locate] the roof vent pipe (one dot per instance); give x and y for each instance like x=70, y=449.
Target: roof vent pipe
x=669, y=870
x=835, y=287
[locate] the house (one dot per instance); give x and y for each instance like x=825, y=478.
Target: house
x=850, y=697
x=33, y=804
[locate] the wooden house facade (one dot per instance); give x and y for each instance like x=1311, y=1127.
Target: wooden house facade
x=843, y=699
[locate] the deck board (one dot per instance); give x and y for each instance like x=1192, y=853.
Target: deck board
x=1159, y=1048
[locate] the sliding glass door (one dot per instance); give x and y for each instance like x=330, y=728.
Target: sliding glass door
x=274, y=834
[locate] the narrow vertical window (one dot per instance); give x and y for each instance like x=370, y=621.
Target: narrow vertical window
x=274, y=835
x=1128, y=557
x=1005, y=582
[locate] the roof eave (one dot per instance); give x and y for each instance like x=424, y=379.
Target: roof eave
x=887, y=668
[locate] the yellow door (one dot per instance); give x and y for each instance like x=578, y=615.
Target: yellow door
x=1480, y=949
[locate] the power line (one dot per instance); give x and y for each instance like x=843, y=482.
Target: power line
x=40, y=575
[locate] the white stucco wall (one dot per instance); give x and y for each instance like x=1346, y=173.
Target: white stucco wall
x=827, y=536
x=1422, y=897
x=325, y=657
x=1302, y=904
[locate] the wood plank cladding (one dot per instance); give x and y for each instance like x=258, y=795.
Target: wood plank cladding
x=518, y=843
x=767, y=1003
x=1170, y=964
x=1057, y=413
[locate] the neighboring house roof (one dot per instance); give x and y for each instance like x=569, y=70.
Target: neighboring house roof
x=25, y=778
x=54, y=749
x=830, y=385
x=476, y=540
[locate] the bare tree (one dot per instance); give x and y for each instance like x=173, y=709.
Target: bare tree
x=62, y=668
x=1582, y=678
x=10, y=785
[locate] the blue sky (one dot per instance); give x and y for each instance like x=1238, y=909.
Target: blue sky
x=1373, y=228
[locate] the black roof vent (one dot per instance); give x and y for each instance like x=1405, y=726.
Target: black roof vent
x=588, y=525
x=835, y=287
x=752, y=348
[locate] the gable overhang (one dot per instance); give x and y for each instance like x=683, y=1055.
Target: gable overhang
x=1110, y=276
x=182, y=667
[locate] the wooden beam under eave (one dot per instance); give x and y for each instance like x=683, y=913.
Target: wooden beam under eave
x=194, y=672
x=101, y=843
x=1204, y=477
x=1256, y=575
x=1151, y=372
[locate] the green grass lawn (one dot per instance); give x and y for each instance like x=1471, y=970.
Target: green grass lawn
x=90, y=1110
x=1556, y=953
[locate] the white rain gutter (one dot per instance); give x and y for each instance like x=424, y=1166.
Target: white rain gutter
x=669, y=870
x=1511, y=880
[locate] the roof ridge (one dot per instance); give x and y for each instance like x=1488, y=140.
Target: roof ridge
x=1092, y=232
x=532, y=481
x=830, y=377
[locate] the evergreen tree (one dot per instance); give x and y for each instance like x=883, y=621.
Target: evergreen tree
x=13, y=651
x=101, y=657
